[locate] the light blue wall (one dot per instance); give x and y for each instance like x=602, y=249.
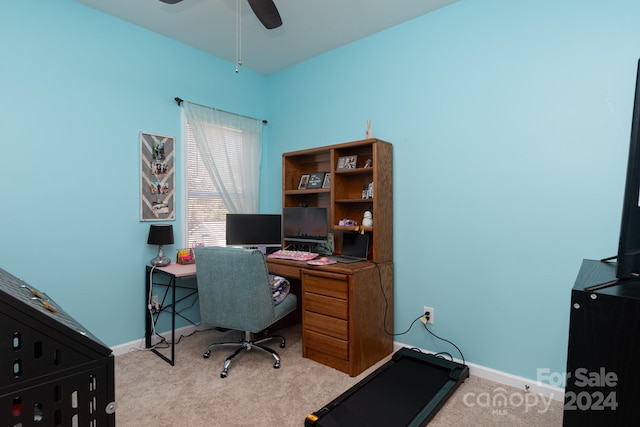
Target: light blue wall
x=510, y=123
x=77, y=88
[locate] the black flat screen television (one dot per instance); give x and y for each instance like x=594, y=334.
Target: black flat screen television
x=254, y=230
x=308, y=225
x=628, y=258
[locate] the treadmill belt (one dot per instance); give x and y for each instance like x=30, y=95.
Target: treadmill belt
x=406, y=391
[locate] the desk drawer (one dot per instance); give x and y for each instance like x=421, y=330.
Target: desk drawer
x=288, y=271
x=326, y=325
x=326, y=344
x=333, y=285
x=329, y=306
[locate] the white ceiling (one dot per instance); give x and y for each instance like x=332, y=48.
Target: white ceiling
x=310, y=27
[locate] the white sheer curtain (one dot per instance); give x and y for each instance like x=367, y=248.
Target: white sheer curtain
x=230, y=146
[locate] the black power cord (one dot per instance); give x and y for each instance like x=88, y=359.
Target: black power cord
x=445, y=340
x=386, y=311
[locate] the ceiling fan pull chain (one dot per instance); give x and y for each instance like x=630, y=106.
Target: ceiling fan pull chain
x=238, y=34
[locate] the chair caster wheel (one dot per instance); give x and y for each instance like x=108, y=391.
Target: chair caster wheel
x=206, y=354
x=282, y=345
x=276, y=365
x=223, y=374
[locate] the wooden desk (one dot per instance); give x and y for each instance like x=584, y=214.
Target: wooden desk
x=347, y=311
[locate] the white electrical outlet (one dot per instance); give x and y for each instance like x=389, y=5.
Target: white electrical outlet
x=429, y=310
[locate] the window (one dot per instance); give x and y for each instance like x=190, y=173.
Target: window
x=222, y=164
x=206, y=211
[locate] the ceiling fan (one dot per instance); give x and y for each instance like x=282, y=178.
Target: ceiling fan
x=265, y=10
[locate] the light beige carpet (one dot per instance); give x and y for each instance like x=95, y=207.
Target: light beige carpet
x=150, y=392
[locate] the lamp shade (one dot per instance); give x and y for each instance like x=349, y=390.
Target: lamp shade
x=160, y=234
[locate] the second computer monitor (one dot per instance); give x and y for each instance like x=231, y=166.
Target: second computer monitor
x=308, y=224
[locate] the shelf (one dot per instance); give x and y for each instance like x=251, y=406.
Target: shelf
x=352, y=228
x=370, y=200
x=344, y=198
x=356, y=171
x=307, y=191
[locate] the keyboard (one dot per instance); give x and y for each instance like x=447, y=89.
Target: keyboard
x=294, y=255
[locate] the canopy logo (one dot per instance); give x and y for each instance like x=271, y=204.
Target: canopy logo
x=500, y=401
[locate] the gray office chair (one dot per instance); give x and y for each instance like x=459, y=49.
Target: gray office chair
x=235, y=293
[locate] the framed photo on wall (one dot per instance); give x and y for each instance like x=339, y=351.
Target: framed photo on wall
x=157, y=177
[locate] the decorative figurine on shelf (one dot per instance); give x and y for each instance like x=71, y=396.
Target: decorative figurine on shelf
x=367, y=218
x=369, y=133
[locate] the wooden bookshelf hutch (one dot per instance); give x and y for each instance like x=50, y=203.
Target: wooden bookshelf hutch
x=347, y=309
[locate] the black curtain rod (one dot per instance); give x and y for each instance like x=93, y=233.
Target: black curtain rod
x=180, y=101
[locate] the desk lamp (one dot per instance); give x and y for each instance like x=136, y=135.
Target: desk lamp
x=160, y=235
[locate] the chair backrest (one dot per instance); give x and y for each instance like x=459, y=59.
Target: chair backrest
x=233, y=288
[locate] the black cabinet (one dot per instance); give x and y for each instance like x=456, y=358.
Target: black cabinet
x=53, y=372
x=603, y=361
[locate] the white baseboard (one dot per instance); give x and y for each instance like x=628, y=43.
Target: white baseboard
x=139, y=344
x=524, y=384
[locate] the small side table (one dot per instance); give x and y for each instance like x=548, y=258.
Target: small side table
x=174, y=274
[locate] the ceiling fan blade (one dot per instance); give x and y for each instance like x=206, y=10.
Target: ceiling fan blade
x=170, y=1
x=266, y=12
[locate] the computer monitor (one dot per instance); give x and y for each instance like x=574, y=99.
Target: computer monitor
x=307, y=225
x=254, y=230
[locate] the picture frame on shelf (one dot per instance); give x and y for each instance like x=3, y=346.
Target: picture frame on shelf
x=326, y=182
x=304, y=180
x=315, y=180
x=367, y=191
x=347, y=162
